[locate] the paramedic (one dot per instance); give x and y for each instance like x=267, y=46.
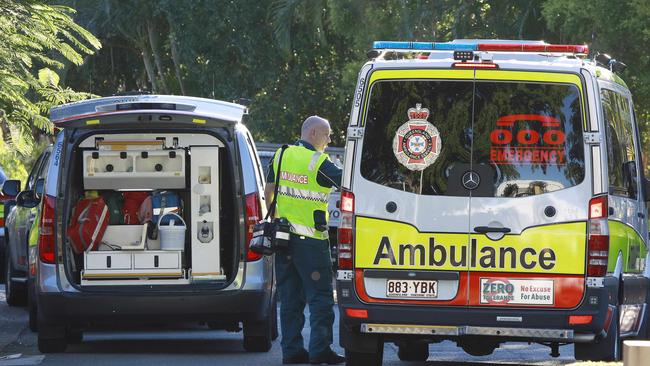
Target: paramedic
x=304, y=272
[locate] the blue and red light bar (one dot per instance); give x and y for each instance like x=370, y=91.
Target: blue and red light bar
x=478, y=46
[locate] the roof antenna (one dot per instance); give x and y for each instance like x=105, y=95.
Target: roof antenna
x=213, y=85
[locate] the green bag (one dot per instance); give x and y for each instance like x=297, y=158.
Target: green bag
x=114, y=201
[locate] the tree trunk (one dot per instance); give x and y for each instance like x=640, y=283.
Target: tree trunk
x=153, y=41
x=148, y=65
x=176, y=60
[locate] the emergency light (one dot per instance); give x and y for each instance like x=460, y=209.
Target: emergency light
x=471, y=45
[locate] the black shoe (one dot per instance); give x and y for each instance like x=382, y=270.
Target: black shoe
x=330, y=358
x=302, y=357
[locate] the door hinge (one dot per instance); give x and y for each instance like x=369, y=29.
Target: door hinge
x=592, y=137
x=355, y=132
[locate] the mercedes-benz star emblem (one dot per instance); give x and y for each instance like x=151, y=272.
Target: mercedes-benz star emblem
x=471, y=180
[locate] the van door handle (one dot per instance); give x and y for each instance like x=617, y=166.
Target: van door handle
x=487, y=229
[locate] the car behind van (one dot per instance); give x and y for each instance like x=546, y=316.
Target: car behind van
x=178, y=250
x=493, y=191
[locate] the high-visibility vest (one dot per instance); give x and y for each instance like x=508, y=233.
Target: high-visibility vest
x=299, y=193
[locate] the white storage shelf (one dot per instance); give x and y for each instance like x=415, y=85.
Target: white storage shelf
x=132, y=264
x=158, y=169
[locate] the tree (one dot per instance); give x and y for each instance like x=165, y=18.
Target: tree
x=35, y=40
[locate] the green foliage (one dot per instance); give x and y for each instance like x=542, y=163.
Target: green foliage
x=34, y=38
x=297, y=58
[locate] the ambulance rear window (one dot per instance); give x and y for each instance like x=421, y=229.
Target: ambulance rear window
x=520, y=138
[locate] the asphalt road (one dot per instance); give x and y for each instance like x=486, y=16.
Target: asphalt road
x=192, y=344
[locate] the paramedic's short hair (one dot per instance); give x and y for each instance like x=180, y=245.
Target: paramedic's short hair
x=311, y=122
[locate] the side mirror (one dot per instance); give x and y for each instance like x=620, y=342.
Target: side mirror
x=11, y=187
x=26, y=199
x=39, y=188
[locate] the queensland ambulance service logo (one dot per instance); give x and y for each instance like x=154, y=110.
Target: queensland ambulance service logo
x=417, y=143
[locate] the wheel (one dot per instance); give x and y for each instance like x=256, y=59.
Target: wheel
x=353, y=358
x=51, y=339
x=413, y=351
x=477, y=346
x=74, y=336
x=257, y=336
x=14, y=292
x=54, y=345
x=605, y=349
x=31, y=306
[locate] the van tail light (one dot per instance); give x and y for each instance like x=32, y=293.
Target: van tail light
x=253, y=216
x=597, y=237
x=46, y=239
x=345, y=231
x=580, y=319
x=2, y=220
x=475, y=65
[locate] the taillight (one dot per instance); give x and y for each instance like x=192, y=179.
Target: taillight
x=253, y=216
x=475, y=65
x=345, y=231
x=2, y=220
x=580, y=319
x=598, y=237
x=46, y=240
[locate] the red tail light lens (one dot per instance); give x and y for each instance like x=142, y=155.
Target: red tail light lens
x=475, y=65
x=598, y=237
x=2, y=220
x=253, y=216
x=345, y=231
x=46, y=239
x=580, y=319
x=357, y=313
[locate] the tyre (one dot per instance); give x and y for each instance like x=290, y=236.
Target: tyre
x=74, y=336
x=605, y=349
x=477, y=346
x=257, y=336
x=353, y=358
x=51, y=339
x=15, y=292
x=55, y=345
x=413, y=351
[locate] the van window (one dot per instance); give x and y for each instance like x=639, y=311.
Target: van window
x=450, y=111
x=620, y=144
x=530, y=134
x=521, y=138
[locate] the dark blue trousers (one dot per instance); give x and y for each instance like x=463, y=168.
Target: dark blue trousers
x=304, y=276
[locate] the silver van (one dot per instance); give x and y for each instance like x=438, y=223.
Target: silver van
x=196, y=161
x=493, y=191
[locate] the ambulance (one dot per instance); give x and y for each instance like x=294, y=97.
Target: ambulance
x=493, y=191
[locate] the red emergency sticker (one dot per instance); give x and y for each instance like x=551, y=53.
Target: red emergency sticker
x=511, y=145
x=417, y=142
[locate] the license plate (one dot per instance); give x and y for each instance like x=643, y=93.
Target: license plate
x=412, y=288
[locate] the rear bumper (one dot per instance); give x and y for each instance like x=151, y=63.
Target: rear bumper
x=83, y=309
x=399, y=321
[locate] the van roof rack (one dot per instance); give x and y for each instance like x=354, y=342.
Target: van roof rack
x=482, y=45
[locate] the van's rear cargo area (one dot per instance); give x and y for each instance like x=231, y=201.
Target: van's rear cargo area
x=150, y=209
